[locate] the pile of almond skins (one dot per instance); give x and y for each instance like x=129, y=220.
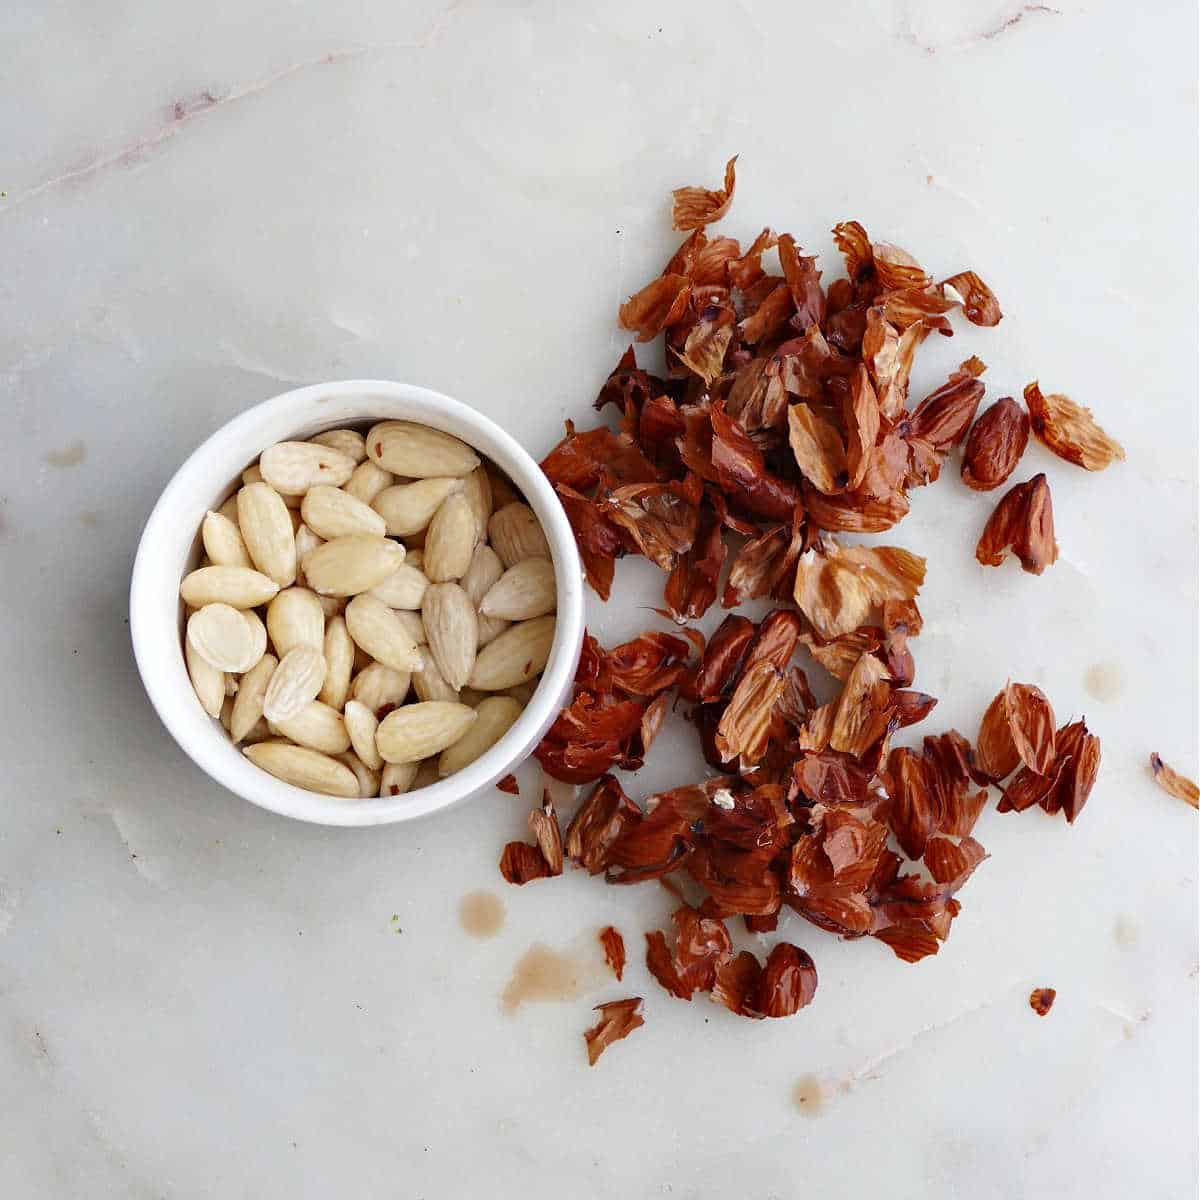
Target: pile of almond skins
x=784, y=420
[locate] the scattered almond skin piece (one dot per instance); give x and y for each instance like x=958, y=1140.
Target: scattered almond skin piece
x=1041, y=1000
x=1173, y=783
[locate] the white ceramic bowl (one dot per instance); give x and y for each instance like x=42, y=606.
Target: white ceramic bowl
x=168, y=549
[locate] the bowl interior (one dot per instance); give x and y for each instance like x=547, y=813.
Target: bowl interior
x=170, y=546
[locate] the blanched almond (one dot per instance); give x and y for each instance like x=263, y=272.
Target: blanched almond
x=378, y=687
x=253, y=475
x=485, y=569
x=208, y=682
x=318, y=727
x=450, y=540
x=266, y=529
x=376, y=629
x=397, y=778
x=451, y=631
x=429, y=683
x=329, y=512
x=417, y=731
x=496, y=715
x=295, y=682
x=477, y=489
x=522, y=693
x=408, y=507
x=415, y=557
x=239, y=587
x=518, y=654
x=332, y=606
x=347, y=566
x=226, y=716
x=294, y=467
x=306, y=543
x=503, y=491
x=339, y=662
x=248, y=703
x=304, y=768
x=225, y=639
x=418, y=451
x=413, y=623
x=368, y=480
x=368, y=780
x=403, y=588
x=524, y=591
x=228, y=510
x=295, y=618
x=223, y=542
x=427, y=773
x=345, y=441
x=361, y=725
x=516, y=534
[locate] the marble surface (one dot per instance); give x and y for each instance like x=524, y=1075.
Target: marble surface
x=205, y=205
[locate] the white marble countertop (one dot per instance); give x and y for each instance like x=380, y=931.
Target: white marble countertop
x=205, y=205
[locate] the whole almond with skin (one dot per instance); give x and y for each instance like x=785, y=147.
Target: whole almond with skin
x=295, y=618
x=368, y=780
x=361, y=725
x=397, y=778
x=451, y=631
x=403, y=588
x=239, y=587
x=477, y=489
x=428, y=681
x=418, y=452
x=347, y=566
x=304, y=768
x=407, y=508
x=247, y=704
x=516, y=534
x=295, y=467
x=223, y=541
x=295, y=682
x=376, y=629
x=378, y=687
x=418, y=731
x=368, y=480
x=524, y=591
x=345, y=441
x=224, y=638
x=517, y=655
x=450, y=540
x=330, y=513
x=267, y=531
x=496, y=716
x=318, y=727
x=995, y=445
x=207, y=681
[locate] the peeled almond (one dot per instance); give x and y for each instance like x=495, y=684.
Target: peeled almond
x=428, y=681
x=224, y=638
x=318, y=727
x=368, y=481
x=295, y=618
x=346, y=566
x=208, y=682
x=403, y=588
x=239, y=587
x=296, y=682
x=329, y=512
x=304, y=768
x=266, y=528
x=524, y=591
x=339, y=663
x=397, y=778
x=248, y=703
x=378, y=687
x=517, y=655
x=345, y=441
x=451, y=631
x=496, y=716
x=295, y=467
x=368, y=780
x=361, y=724
x=450, y=540
x=418, y=452
x=408, y=507
x=418, y=731
x=515, y=534
x=376, y=629
x=223, y=542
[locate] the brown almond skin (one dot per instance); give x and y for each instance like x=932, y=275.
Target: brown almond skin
x=995, y=445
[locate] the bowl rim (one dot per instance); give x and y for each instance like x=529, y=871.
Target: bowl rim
x=174, y=522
